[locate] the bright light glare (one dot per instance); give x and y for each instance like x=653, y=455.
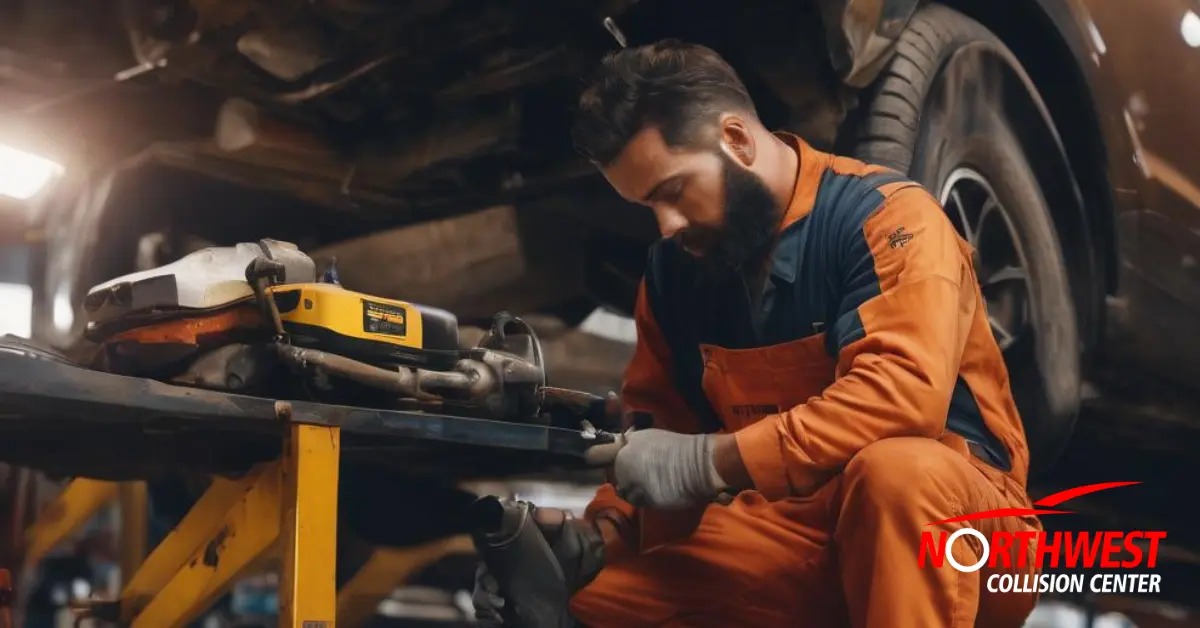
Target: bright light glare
x=16, y=309
x=608, y=325
x=1190, y=28
x=63, y=314
x=22, y=174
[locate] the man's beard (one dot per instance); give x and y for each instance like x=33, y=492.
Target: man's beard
x=751, y=222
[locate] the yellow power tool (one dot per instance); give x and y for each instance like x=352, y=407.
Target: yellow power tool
x=249, y=318
x=372, y=329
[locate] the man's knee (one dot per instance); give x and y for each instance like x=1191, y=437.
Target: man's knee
x=901, y=474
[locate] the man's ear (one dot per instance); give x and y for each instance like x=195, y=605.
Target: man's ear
x=737, y=140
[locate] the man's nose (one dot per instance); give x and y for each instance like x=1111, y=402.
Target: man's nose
x=670, y=221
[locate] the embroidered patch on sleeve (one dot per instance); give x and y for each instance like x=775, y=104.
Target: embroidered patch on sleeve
x=898, y=238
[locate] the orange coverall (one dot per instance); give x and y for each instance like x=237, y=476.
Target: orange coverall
x=912, y=422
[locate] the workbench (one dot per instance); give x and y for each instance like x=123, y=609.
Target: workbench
x=275, y=466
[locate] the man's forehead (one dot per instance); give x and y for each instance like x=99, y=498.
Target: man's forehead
x=642, y=163
x=645, y=162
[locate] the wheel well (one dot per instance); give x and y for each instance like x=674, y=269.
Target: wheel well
x=1088, y=236
x=1047, y=58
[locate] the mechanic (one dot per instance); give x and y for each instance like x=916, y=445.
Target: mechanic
x=812, y=340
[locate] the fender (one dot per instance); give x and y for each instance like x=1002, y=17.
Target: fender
x=1113, y=141
x=1143, y=135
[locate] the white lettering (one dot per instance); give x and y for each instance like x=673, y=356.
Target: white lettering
x=1073, y=584
x=1044, y=583
x=983, y=542
x=1050, y=583
x=1024, y=587
x=1125, y=583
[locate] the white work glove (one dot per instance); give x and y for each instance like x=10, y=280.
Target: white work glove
x=666, y=470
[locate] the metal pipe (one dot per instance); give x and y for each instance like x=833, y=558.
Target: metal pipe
x=481, y=380
x=472, y=377
x=469, y=376
x=402, y=381
x=326, y=87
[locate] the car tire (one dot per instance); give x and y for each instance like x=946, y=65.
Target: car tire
x=931, y=115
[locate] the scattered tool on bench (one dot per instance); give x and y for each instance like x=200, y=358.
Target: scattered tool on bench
x=255, y=319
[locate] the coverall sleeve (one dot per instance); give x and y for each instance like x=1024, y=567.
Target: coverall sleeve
x=901, y=329
x=648, y=386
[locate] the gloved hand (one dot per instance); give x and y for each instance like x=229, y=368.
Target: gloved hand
x=666, y=470
x=578, y=547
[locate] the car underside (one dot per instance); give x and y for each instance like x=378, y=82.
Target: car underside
x=424, y=145
x=383, y=115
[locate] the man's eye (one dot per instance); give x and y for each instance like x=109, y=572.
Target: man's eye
x=673, y=192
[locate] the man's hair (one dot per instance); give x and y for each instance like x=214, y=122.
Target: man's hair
x=671, y=85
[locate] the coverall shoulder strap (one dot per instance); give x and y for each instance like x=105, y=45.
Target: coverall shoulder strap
x=868, y=184
x=672, y=291
x=876, y=180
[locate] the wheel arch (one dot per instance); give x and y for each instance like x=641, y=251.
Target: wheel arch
x=1049, y=97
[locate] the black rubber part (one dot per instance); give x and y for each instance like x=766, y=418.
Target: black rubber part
x=922, y=117
x=888, y=124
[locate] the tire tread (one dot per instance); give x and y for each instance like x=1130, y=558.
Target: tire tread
x=889, y=130
x=900, y=91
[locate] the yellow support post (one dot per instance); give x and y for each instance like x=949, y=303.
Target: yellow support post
x=200, y=524
x=288, y=506
x=386, y=569
x=307, y=589
x=135, y=524
x=75, y=505
x=248, y=532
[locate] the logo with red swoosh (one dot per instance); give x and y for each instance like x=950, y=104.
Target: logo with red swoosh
x=1048, y=502
x=1018, y=553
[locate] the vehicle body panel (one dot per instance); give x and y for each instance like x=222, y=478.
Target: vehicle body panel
x=1142, y=64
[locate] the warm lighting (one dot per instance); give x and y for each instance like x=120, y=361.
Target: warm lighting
x=608, y=325
x=1191, y=29
x=63, y=314
x=23, y=175
x=16, y=310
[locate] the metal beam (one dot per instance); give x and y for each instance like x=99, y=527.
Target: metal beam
x=135, y=522
x=308, y=592
x=200, y=524
x=78, y=502
x=384, y=571
x=249, y=531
